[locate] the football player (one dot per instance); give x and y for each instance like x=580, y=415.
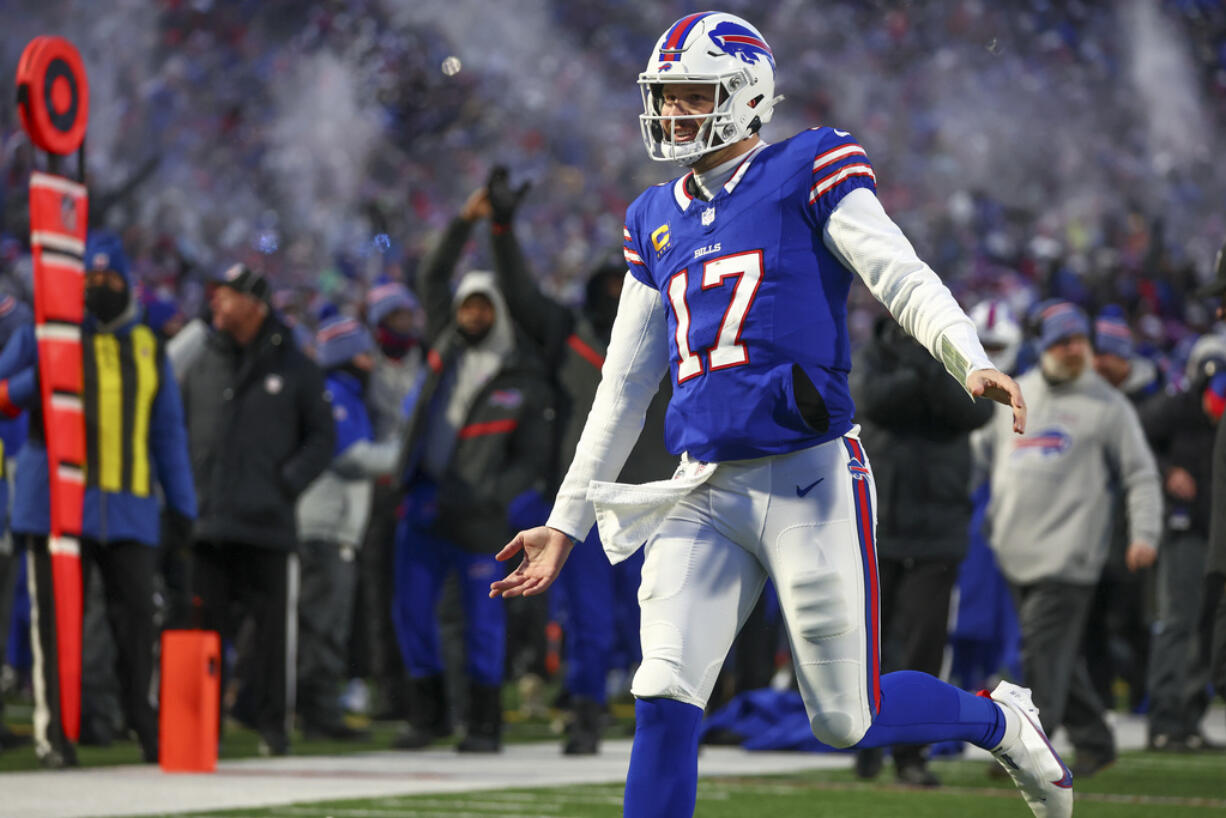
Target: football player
x=738, y=278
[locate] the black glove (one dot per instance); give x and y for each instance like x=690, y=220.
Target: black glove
x=176, y=529
x=504, y=199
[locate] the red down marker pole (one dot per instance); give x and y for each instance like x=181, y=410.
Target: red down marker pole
x=53, y=100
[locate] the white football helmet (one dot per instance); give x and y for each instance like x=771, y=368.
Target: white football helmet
x=708, y=48
x=999, y=332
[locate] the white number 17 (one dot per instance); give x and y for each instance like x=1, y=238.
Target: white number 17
x=727, y=351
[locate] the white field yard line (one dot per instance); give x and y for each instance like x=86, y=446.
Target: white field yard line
x=140, y=790
x=301, y=780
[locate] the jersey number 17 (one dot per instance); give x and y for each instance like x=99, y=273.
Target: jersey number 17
x=727, y=351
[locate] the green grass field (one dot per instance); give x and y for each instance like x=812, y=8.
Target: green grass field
x=1140, y=785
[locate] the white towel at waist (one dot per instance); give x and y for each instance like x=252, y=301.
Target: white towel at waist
x=627, y=514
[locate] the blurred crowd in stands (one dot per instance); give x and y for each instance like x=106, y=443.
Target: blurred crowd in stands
x=1032, y=151
x=1022, y=145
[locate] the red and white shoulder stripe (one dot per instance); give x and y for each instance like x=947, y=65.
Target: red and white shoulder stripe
x=836, y=165
x=632, y=256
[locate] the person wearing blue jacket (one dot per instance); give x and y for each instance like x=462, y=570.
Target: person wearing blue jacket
x=13, y=595
x=332, y=516
x=135, y=439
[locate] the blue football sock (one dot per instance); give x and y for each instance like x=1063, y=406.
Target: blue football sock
x=663, y=777
x=920, y=709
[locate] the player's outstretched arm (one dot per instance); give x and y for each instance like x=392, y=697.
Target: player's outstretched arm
x=544, y=553
x=997, y=386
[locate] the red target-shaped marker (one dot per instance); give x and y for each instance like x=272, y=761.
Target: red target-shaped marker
x=53, y=94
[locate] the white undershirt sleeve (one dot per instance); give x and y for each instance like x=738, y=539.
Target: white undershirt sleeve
x=634, y=364
x=867, y=241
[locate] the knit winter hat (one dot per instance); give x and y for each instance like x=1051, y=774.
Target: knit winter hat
x=1112, y=336
x=341, y=339
x=104, y=251
x=385, y=299
x=1062, y=320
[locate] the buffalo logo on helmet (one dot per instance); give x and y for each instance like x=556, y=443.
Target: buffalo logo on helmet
x=741, y=42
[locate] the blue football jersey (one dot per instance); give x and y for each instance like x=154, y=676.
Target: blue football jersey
x=751, y=291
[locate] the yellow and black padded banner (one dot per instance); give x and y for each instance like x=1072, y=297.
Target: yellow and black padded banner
x=121, y=381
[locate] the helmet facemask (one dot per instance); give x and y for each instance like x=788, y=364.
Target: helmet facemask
x=715, y=129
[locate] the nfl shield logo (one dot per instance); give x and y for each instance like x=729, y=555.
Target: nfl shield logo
x=708, y=216
x=68, y=213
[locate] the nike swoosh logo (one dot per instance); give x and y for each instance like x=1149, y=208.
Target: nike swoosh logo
x=1066, y=782
x=802, y=492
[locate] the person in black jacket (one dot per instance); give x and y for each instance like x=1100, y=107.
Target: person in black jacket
x=1181, y=429
x=477, y=452
x=917, y=421
x=259, y=430
x=1213, y=608
x=574, y=343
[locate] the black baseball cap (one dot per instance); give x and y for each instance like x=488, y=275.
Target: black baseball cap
x=1218, y=285
x=241, y=278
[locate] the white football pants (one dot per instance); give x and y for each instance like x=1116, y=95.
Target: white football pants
x=806, y=521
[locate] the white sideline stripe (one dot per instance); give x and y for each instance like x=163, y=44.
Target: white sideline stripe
x=42, y=712
x=38, y=179
x=410, y=813
x=45, y=239
x=291, y=641
x=447, y=808
x=250, y=784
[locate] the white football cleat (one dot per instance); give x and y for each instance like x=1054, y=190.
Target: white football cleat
x=1026, y=754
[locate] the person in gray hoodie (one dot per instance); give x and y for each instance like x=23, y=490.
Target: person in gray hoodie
x=332, y=515
x=1050, y=519
x=394, y=318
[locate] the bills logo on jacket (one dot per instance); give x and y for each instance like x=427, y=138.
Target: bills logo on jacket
x=1047, y=442
x=506, y=398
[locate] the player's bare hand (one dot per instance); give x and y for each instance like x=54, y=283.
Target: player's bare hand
x=1140, y=555
x=477, y=206
x=997, y=386
x=544, y=552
